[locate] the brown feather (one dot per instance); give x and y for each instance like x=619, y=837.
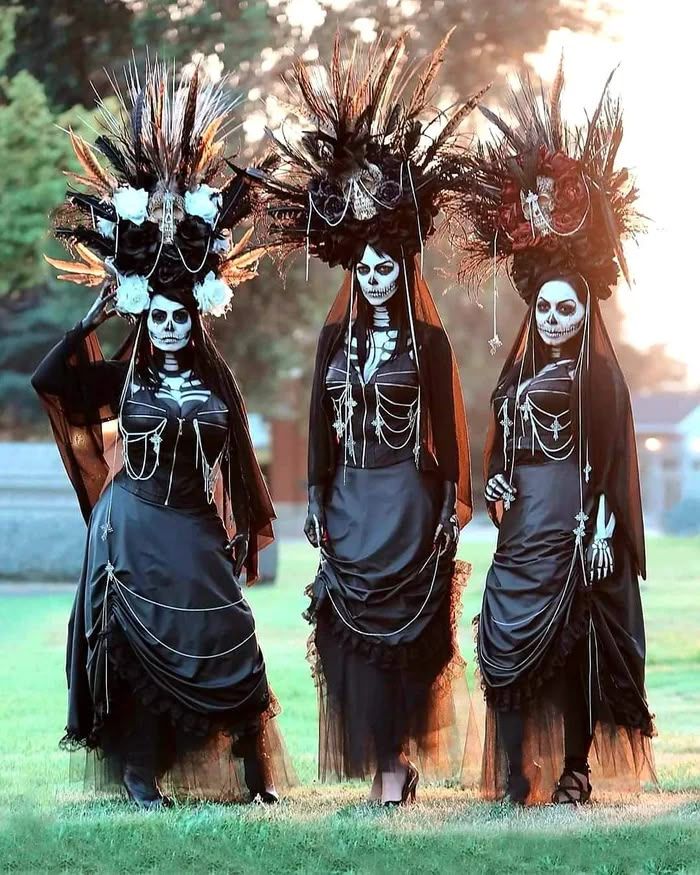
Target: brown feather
x=555, y=104
x=90, y=272
x=454, y=123
x=188, y=121
x=103, y=182
x=382, y=85
x=419, y=97
x=336, y=68
x=207, y=148
x=300, y=75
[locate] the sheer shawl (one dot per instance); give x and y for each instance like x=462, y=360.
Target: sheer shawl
x=81, y=393
x=444, y=435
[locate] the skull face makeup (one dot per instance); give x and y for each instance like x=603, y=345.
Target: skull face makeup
x=377, y=274
x=559, y=313
x=169, y=324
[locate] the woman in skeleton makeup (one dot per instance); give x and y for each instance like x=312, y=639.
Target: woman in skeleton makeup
x=167, y=683
x=561, y=632
x=388, y=450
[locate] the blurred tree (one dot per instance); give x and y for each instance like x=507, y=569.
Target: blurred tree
x=33, y=152
x=491, y=36
x=234, y=30
x=66, y=45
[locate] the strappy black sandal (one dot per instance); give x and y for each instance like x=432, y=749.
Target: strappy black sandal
x=575, y=793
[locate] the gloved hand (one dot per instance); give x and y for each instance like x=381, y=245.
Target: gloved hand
x=499, y=489
x=447, y=531
x=315, y=524
x=238, y=548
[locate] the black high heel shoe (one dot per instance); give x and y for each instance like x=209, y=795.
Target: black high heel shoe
x=142, y=788
x=408, y=791
x=255, y=781
x=517, y=789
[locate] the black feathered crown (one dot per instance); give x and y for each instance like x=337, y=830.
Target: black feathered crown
x=369, y=168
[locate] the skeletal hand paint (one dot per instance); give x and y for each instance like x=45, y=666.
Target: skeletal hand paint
x=499, y=489
x=559, y=313
x=600, y=555
x=169, y=324
x=377, y=274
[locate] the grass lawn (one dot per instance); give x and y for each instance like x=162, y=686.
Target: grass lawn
x=50, y=825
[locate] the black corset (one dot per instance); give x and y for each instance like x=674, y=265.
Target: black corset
x=172, y=455
x=538, y=428
x=382, y=427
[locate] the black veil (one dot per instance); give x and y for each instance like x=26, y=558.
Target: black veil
x=601, y=411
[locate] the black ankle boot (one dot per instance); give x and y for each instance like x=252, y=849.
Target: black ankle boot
x=143, y=789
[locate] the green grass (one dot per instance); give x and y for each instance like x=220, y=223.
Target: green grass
x=50, y=825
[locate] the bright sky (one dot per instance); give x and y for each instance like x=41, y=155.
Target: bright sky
x=655, y=48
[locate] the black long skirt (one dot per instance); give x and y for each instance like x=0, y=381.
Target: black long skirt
x=542, y=630
x=385, y=604
x=161, y=637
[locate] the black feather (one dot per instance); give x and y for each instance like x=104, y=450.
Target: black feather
x=112, y=154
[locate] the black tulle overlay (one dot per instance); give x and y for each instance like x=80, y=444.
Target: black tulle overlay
x=384, y=606
x=582, y=644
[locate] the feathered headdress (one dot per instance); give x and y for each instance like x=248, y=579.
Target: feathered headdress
x=547, y=196
x=366, y=169
x=160, y=218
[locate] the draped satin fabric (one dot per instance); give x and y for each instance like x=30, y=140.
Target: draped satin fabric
x=385, y=602
x=543, y=625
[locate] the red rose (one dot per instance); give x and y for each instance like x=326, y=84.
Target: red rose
x=511, y=192
x=570, y=201
x=560, y=164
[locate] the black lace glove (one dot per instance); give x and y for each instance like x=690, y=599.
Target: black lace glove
x=447, y=531
x=315, y=524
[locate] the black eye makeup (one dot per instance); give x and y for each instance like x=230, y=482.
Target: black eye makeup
x=566, y=308
x=543, y=306
x=180, y=316
x=158, y=316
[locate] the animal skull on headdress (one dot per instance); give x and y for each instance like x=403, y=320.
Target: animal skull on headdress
x=359, y=187
x=537, y=206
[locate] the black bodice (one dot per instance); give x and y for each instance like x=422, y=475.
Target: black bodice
x=172, y=455
x=537, y=425
x=375, y=425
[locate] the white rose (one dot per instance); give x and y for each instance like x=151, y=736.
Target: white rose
x=204, y=202
x=213, y=296
x=106, y=228
x=132, y=294
x=221, y=244
x=131, y=203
